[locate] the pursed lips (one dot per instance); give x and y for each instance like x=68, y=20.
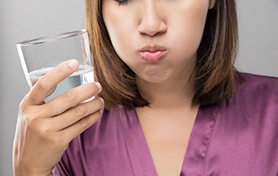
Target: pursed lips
x=152, y=53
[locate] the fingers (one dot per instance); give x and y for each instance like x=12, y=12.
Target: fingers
x=45, y=129
x=77, y=113
x=47, y=83
x=80, y=126
x=72, y=98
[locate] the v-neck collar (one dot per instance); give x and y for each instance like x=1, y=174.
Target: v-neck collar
x=196, y=152
x=137, y=146
x=198, y=144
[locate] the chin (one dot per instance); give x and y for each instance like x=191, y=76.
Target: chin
x=155, y=78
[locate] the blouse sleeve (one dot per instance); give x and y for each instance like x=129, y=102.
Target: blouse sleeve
x=63, y=167
x=70, y=163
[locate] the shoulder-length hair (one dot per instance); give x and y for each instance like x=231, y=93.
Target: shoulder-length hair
x=214, y=78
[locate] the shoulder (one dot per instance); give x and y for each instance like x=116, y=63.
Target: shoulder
x=254, y=81
x=247, y=125
x=257, y=88
x=255, y=101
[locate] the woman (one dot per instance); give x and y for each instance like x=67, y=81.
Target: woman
x=174, y=103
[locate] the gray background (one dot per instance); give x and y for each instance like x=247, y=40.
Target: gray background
x=28, y=19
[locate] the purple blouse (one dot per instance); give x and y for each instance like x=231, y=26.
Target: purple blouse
x=237, y=138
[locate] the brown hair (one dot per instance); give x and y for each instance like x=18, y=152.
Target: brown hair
x=214, y=73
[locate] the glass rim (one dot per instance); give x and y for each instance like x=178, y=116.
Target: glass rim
x=50, y=38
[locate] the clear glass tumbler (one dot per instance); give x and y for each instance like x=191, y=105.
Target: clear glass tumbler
x=38, y=56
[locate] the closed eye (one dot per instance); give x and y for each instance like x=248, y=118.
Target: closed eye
x=122, y=2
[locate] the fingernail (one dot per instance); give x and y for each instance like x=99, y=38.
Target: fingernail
x=98, y=85
x=101, y=110
x=73, y=63
x=102, y=101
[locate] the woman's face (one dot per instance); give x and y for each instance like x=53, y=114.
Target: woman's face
x=157, y=39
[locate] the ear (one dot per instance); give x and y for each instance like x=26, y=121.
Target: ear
x=212, y=4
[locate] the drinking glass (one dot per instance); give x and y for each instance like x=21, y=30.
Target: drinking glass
x=40, y=55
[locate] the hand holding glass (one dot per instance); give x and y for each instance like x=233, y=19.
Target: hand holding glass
x=40, y=55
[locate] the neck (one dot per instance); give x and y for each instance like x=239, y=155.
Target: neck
x=171, y=93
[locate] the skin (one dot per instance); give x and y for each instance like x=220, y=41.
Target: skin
x=177, y=26
x=44, y=130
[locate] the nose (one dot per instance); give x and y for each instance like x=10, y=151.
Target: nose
x=151, y=19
